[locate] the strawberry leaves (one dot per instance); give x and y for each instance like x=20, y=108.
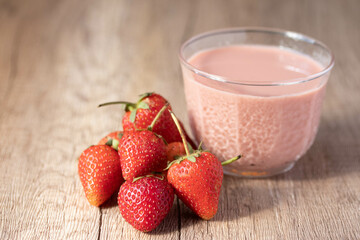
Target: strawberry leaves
x=139, y=105
x=191, y=158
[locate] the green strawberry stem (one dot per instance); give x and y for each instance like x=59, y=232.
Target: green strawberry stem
x=115, y=144
x=129, y=105
x=231, y=160
x=200, y=146
x=192, y=158
x=111, y=142
x=150, y=128
x=183, y=138
x=154, y=175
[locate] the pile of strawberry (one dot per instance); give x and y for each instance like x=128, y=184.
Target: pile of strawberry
x=155, y=157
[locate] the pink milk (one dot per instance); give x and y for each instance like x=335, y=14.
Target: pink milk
x=271, y=125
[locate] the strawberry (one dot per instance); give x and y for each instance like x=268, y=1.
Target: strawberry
x=198, y=183
x=145, y=202
x=117, y=135
x=142, y=151
x=100, y=173
x=140, y=115
x=175, y=150
x=197, y=179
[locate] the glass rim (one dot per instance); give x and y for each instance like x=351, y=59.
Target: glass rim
x=285, y=33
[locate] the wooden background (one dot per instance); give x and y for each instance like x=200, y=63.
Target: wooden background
x=59, y=59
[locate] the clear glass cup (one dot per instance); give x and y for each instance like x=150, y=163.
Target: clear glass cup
x=284, y=116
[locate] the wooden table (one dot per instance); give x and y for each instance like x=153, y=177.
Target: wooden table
x=59, y=59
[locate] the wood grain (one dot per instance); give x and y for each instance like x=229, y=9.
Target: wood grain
x=59, y=59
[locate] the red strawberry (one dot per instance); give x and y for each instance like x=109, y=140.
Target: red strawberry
x=174, y=150
x=141, y=152
x=140, y=115
x=100, y=173
x=117, y=135
x=145, y=202
x=198, y=183
x=197, y=179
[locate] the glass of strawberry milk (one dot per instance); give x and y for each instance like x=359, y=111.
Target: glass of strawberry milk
x=256, y=92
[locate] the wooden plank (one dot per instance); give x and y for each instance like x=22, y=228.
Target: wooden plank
x=40, y=191
x=60, y=59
